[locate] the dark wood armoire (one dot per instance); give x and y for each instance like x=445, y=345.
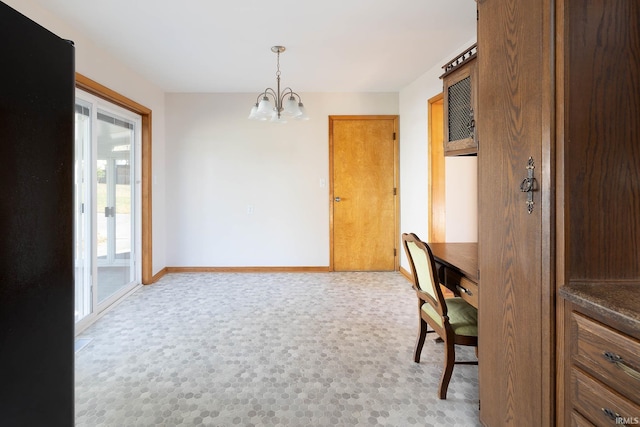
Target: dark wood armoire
x=559, y=187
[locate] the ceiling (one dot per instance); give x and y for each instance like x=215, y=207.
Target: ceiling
x=225, y=45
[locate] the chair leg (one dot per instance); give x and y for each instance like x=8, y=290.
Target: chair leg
x=422, y=334
x=449, y=361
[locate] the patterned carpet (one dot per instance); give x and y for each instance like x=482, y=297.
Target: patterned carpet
x=284, y=349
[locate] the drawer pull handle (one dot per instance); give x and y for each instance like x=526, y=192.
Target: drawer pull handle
x=465, y=290
x=617, y=359
x=612, y=415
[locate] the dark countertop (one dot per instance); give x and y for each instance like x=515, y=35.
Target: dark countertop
x=620, y=301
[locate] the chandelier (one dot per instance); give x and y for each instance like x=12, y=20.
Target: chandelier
x=288, y=104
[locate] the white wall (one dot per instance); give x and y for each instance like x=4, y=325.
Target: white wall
x=461, y=194
x=100, y=66
x=461, y=172
x=217, y=163
x=220, y=163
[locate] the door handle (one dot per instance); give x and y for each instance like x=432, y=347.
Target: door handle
x=529, y=185
x=337, y=199
x=109, y=211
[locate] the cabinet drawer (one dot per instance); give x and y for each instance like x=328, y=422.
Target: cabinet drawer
x=468, y=291
x=606, y=354
x=598, y=403
x=578, y=420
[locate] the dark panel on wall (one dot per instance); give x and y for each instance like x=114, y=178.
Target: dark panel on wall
x=36, y=224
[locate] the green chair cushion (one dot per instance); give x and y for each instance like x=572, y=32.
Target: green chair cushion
x=463, y=317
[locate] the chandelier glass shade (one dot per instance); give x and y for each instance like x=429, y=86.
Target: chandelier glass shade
x=276, y=105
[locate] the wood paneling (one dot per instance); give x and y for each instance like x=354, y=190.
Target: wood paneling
x=363, y=152
x=603, y=142
x=516, y=299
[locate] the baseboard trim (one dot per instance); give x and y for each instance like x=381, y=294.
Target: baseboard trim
x=407, y=274
x=247, y=269
x=157, y=276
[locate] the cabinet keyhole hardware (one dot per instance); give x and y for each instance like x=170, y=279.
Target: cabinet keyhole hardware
x=529, y=185
x=471, y=126
x=619, y=362
x=612, y=415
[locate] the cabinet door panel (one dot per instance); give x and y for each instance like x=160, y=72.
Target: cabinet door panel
x=603, y=159
x=515, y=326
x=460, y=87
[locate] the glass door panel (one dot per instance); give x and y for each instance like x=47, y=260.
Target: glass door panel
x=114, y=197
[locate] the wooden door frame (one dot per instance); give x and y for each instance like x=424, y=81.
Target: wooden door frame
x=396, y=178
x=436, y=162
x=103, y=92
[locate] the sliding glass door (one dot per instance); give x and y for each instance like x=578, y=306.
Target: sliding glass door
x=107, y=205
x=114, y=204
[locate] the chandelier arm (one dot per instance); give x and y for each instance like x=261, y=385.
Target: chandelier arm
x=295, y=94
x=269, y=91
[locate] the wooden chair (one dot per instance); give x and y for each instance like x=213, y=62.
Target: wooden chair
x=453, y=319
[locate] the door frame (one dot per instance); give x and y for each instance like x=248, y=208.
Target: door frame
x=436, y=164
x=96, y=89
x=396, y=179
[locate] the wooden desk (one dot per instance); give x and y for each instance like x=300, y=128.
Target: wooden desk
x=457, y=265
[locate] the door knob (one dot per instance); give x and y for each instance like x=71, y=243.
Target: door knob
x=337, y=199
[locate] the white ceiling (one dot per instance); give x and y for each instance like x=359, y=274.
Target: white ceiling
x=225, y=46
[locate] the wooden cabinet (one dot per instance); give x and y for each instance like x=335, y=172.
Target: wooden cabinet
x=598, y=204
x=602, y=375
x=557, y=84
x=515, y=118
x=460, y=104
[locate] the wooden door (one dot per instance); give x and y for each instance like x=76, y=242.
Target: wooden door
x=515, y=119
x=363, y=162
